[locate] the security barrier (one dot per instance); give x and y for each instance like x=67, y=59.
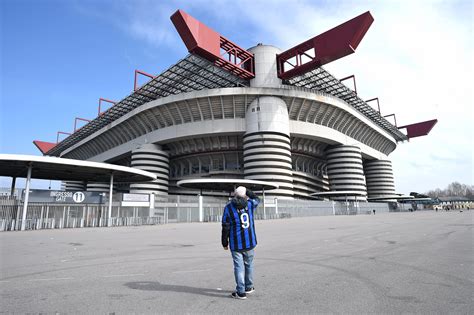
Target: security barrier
x=168, y=209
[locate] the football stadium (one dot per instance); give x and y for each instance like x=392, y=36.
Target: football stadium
x=270, y=119
x=311, y=152
x=259, y=113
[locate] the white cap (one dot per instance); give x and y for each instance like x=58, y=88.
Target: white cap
x=240, y=191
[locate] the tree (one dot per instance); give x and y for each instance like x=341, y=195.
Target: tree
x=454, y=189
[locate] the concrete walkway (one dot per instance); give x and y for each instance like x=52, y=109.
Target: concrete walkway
x=421, y=262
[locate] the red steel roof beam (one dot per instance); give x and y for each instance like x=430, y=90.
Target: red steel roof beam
x=44, y=146
x=394, y=118
x=207, y=43
x=331, y=45
x=63, y=133
x=353, y=81
x=419, y=129
x=75, y=122
x=375, y=99
x=137, y=72
x=104, y=100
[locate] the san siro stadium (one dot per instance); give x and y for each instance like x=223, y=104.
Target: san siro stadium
x=259, y=113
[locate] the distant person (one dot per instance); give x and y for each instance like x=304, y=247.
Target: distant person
x=373, y=210
x=238, y=231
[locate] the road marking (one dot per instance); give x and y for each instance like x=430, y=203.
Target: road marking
x=130, y=275
x=188, y=271
x=1, y=281
x=51, y=279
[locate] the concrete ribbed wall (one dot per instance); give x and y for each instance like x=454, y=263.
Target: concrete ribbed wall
x=151, y=158
x=266, y=144
x=379, y=178
x=267, y=157
x=98, y=186
x=345, y=170
x=73, y=185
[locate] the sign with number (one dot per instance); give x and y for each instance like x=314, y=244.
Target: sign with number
x=244, y=219
x=57, y=196
x=78, y=196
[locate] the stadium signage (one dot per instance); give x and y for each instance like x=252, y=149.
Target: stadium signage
x=136, y=197
x=71, y=197
x=135, y=200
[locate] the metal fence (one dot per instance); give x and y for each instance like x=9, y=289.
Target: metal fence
x=58, y=216
x=169, y=209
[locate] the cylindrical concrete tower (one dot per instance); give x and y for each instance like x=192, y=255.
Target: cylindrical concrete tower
x=266, y=72
x=345, y=170
x=73, y=185
x=151, y=158
x=98, y=186
x=379, y=178
x=266, y=143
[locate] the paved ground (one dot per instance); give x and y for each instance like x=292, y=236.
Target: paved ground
x=418, y=262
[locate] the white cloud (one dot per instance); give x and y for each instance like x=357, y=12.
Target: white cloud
x=417, y=58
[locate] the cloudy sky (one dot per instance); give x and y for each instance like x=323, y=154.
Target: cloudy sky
x=59, y=56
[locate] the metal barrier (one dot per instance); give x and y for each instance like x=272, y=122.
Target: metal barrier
x=169, y=209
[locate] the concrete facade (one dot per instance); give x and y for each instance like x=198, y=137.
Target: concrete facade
x=293, y=136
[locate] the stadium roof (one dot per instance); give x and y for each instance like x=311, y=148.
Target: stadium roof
x=46, y=167
x=391, y=197
x=334, y=193
x=225, y=184
x=189, y=74
x=196, y=73
x=321, y=80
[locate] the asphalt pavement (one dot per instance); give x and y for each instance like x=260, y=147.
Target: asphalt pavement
x=420, y=262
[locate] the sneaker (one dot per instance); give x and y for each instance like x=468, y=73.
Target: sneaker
x=250, y=290
x=240, y=296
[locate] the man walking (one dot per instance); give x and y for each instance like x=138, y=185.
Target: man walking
x=238, y=231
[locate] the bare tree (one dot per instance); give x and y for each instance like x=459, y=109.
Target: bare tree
x=454, y=189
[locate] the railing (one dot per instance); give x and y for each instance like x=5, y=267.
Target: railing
x=170, y=209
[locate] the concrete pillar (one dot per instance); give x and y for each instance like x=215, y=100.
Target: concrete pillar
x=73, y=185
x=266, y=142
x=266, y=73
x=151, y=158
x=379, y=178
x=201, y=209
x=345, y=171
x=109, y=214
x=98, y=186
x=27, y=194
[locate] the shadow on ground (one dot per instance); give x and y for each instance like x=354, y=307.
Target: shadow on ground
x=156, y=286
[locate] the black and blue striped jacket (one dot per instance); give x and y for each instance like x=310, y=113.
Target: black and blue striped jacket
x=238, y=228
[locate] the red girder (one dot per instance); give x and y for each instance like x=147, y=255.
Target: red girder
x=44, y=146
x=205, y=42
x=75, y=122
x=394, y=118
x=135, y=81
x=104, y=100
x=375, y=99
x=419, y=129
x=331, y=45
x=63, y=133
x=353, y=81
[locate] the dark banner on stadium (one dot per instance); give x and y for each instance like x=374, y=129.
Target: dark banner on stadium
x=57, y=196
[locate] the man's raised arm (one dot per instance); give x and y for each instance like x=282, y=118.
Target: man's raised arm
x=252, y=197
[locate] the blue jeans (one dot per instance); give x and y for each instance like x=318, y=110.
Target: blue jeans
x=243, y=270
